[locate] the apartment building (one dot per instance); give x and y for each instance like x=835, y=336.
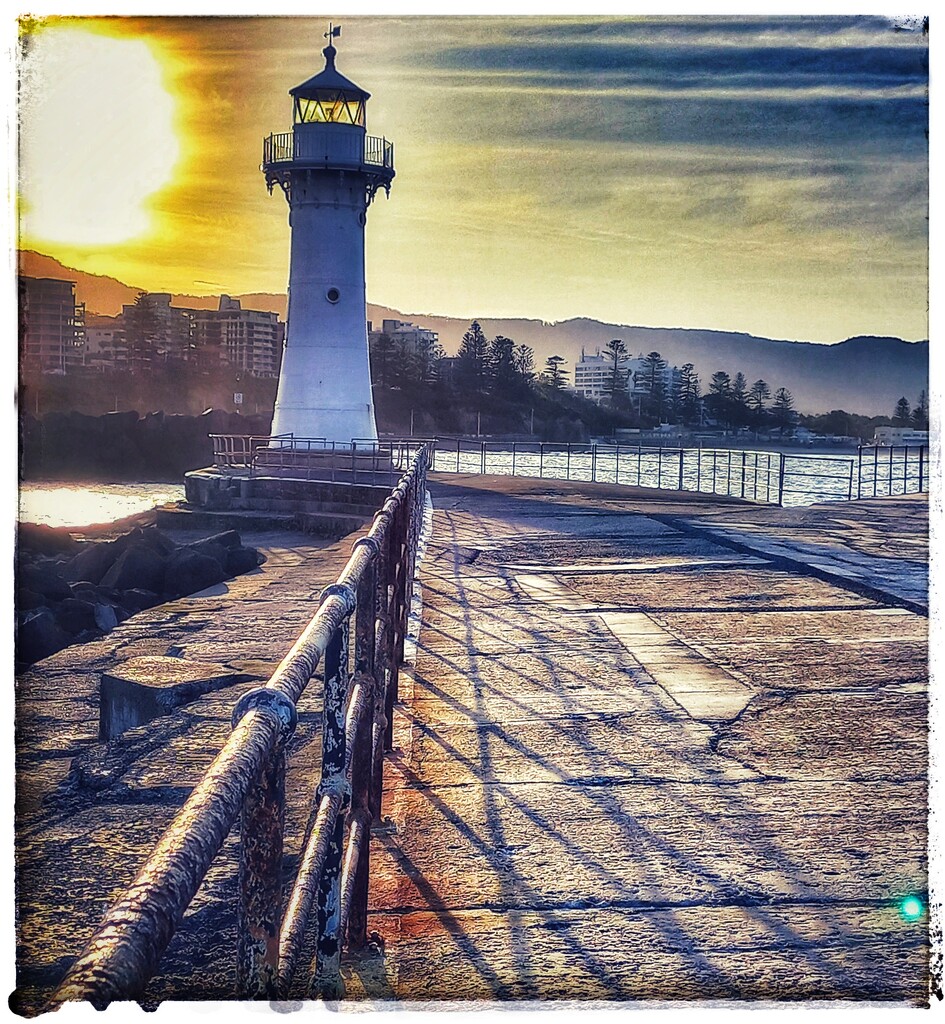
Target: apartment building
x=52, y=325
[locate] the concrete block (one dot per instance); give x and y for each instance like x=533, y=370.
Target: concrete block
x=145, y=688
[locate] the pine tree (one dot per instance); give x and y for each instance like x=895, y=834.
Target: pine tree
x=617, y=385
x=382, y=355
x=739, y=400
x=920, y=412
x=554, y=375
x=688, y=393
x=783, y=411
x=719, y=398
x=500, y=360
x=654, y=376
x=471, y=365
x=525, y=364
x=145, y=333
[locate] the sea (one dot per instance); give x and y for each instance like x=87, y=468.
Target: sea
x=78, y=505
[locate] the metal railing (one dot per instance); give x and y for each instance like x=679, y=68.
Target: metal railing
x=897, y=469
x=285, y=147
x=361, y=461
x=247, y=779
x=782, y=478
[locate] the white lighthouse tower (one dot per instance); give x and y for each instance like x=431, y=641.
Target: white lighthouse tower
x=330, y=170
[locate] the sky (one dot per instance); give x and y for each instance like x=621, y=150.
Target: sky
x=758, y=174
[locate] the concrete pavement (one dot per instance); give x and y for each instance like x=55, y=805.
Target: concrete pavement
x=636, y=764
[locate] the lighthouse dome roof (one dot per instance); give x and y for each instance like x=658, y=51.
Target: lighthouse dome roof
x=328, y=79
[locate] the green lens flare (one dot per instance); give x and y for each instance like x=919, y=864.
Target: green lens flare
x=911, y=908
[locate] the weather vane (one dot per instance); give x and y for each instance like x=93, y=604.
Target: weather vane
x=333, y=32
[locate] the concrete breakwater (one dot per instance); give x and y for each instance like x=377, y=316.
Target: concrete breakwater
x=125, y=445
x=674, y=747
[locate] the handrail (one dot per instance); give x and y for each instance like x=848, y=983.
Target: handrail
x=286, y=147
x=361, y=460
x=248, y=776
x=753, y=475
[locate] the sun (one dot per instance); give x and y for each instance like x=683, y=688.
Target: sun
x=96, y=135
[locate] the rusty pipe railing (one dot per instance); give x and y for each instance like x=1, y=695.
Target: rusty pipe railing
x=247, y=780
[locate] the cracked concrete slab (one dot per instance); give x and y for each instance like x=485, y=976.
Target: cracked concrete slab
x=706, y=691
x=705, y=779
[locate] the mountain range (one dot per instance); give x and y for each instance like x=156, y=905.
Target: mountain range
x=865, y=374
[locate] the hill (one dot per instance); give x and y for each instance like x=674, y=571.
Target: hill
x=866, y=375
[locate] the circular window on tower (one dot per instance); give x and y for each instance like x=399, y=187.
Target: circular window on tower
x=333, y=295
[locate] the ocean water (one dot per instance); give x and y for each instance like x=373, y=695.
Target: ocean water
x=77, y=505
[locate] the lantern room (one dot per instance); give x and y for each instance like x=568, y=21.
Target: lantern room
x=329, y=97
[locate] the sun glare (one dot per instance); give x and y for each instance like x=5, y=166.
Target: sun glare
x=96, y=136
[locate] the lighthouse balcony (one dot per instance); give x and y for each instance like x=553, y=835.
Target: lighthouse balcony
x=329, y=149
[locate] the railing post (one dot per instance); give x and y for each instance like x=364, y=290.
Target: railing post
x=699, y=470
x=781, y=479
x=659, y=466
x=393, y=624
x=681, y=456
x=859, y=471
x=457, y=454
x=875, y=470
x=567, y=469
x=513, y=458
x=259, y=911
x=850, y=483
x=402, y=595
x=892, y=449
x=482, y=458
x=921, y=466
x=617, y=466
x=593, y=463
x=541, y=460
x=326, y=979
x=744, y=459
x=905, y=469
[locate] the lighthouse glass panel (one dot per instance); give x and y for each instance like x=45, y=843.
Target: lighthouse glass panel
x=329, y=108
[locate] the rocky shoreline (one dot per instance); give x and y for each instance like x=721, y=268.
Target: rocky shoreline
x=73, y=586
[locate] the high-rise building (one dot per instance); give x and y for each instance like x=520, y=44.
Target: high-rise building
x=248, y=339
x=155, y=331
x=52, y=325
x=593, y=375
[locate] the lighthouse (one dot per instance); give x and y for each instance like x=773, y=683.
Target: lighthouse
x=330, y=170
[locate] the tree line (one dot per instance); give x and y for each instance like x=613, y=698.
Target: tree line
x=657, y=393
x=653, y=393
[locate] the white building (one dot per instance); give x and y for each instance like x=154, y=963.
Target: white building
x=593, y=375
x=105, y=346
x=406, y=337
x=900, y=435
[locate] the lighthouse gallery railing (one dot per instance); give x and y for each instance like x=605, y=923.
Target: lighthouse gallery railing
x=247, y=778
x=285, y=147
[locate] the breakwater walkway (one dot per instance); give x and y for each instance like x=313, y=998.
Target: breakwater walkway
x=641, y=755
x=635, y=763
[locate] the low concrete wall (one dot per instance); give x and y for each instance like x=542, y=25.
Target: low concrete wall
x=219, y=489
